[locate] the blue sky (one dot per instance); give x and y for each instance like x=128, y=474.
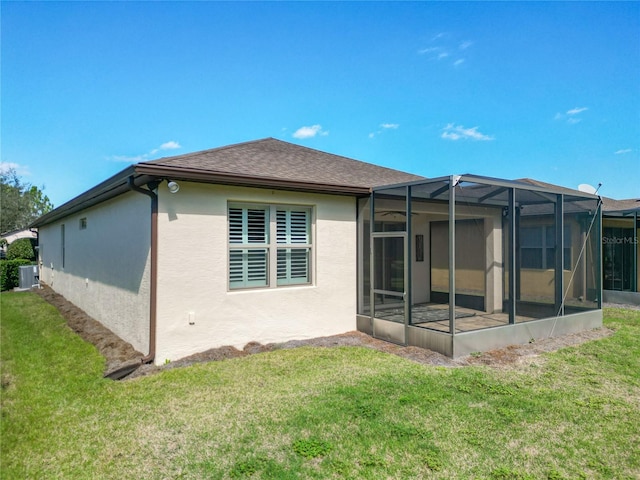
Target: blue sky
x=543, y=90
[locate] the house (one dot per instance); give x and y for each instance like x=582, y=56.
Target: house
x=258, y=244
x=620, y=250
x=269, y=241
x=620, y=247
x=8, y=238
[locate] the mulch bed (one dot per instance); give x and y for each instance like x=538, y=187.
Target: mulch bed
x=119, y=353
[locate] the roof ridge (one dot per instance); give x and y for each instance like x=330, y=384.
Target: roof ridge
x=267, y=139
x=336, y=155
x=206, y=150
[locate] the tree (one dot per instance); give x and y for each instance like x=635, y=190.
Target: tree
x=21, y=202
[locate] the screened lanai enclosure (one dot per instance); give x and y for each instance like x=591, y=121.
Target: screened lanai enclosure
x=463, y=264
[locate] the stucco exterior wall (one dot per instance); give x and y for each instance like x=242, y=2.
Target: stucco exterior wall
x=196, y=309
x=479, y=260
x=106, y=265
x=420, y=271
x=539, y=284
x=479, y=247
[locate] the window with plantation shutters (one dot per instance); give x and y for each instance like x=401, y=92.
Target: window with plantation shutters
x=269, y=245
x=294, y=245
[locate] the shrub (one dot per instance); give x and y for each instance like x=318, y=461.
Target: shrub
x=10, y=273
x=21, y=248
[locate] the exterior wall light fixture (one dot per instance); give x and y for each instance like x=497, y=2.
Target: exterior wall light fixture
x=173, y=186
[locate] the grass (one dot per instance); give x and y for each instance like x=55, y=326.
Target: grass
x=315, y=412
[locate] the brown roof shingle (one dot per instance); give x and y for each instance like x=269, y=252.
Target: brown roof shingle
x=267, y=163
x=608, y=204
x=272, y=159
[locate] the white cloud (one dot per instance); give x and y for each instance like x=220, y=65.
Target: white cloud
x=571, y=115
x=458, y=132
x=20, y=170
x=435, y=53
x=170, y=145
x=444, y=47
x=309, y=132
x=577, y=110
x=623, y=151
x=451, y=136
x=429, y=50
x=383, y=127
x=128, y=159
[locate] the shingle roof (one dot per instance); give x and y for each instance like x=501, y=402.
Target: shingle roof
x=272, y=159
x=267, y=163
x=612, y=205
x=550, y=186
x=608, y=204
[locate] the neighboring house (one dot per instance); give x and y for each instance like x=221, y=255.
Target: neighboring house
x=269, y=241
x=620, y=250
x=620, y=247
x=10, y=237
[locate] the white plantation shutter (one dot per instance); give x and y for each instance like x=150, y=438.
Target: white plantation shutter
x=248, y=264
x=257, y=221
x=248, y=225
x=293, y=265
x=250, y=245
x=235, y=225
x=294, y=245
x=293, y=226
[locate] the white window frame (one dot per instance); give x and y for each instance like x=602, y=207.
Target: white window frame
x=287, y=243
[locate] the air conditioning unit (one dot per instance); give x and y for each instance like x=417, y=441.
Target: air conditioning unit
x=29, y=277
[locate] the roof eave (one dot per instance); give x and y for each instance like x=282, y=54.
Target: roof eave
x=112, y=187
x=143, y=173
x=205, y=176
x=627, y=212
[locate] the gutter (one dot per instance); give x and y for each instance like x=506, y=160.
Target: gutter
x=223, y=178
x=153, y=287
x=113, y=186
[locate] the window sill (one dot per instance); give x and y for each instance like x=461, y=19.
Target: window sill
x=271, y=290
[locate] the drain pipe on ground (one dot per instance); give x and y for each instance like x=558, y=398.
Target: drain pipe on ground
x=128, y=368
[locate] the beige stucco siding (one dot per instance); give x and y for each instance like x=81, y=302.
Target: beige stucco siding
x=196, y=309
x=106, y=265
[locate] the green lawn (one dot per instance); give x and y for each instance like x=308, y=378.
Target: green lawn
x=315, y=412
